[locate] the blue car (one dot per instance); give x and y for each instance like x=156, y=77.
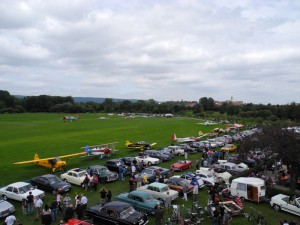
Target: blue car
x=140, y=200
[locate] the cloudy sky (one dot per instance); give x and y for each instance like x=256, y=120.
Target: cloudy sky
x=163, y=50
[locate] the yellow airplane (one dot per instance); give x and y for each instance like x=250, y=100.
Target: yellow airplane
x=55, y=163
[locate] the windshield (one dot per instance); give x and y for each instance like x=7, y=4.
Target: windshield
x=127, y=212
x=82, y=174
x=147, y=171
x=166, y=188
x=25, y=188
x=54, y=180
x=149, y=198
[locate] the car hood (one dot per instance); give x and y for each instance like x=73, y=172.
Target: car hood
x=61, y=184
x=177, y=165
x=4, y=205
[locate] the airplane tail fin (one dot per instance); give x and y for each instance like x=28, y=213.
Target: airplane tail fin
x=36, y=157
x=174, y=138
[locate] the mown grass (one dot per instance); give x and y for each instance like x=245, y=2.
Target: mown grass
x=23, y=135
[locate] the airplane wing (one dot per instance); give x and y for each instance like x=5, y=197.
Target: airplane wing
x=70, y=155
x=153, y=144
x=33, y=161
x=50, y=158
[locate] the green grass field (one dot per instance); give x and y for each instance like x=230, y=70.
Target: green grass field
x=23, y=135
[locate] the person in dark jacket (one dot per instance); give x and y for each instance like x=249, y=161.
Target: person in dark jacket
x=69, y=213
x=158, y=213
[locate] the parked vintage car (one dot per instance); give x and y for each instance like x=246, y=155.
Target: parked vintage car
x=153, y=171
x=77, y=222
x=229, y=148
x=140, y=200
x=116, y=212
x=74, y=176
x=158, y=155
x=286, y=203
x=114, y=164
x=20, y=190
x=159, y=191
x=51, y=183
x=147, y=160
x=193, y=179
x=218, y=176
x=177, y=184
x=207, y=177
x=182, y=165
x=229, y=167
x=127, y=160
x=175, y=150
x=95, y=169
x=6, y=208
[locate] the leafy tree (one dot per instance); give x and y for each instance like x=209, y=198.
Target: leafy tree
x=279, y=142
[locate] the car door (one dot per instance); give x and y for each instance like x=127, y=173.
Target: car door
x=131, y=200
x=9, y=192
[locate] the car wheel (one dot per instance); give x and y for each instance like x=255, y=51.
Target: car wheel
x=4, y=197
x=82, y=185
x=163, y=201
x=242, y=199
x=276, y=207
x=149, y=164
x=180, y=169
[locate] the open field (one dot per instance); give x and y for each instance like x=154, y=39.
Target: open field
x=23, y=135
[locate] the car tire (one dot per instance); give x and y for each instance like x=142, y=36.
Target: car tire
x=4, y=197
x=242, y=199
x=180, y=169
x=82, y=185
x=163, y=201
x=276, y=207
x=149, y=164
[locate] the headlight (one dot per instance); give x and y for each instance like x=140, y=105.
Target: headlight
x=11, y=209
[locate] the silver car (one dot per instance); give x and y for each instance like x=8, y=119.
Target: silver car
x=6, y=208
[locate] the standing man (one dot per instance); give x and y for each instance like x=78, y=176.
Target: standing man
x=30, y=203
x=83, y=201
x=158, y=213
x=139, y=180
x=38, y=206
x=10, y=220
x=185, y=190
x=195, y=193
x=67, y=202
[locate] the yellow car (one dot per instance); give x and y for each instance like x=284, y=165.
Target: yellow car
x=229, y=148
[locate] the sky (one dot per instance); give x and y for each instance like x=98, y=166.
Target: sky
x=166, y=50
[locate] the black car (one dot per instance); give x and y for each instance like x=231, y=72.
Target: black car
x=114, y=164
x=153, y=171
x=96, y=169
x=128, y=160
x=51, y=183
x=158, y=155
x=116, y=212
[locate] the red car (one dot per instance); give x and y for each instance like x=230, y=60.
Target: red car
x=182, y=165
x=77, y=222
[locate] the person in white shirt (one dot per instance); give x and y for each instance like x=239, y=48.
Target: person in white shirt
x=38, y=205
x=84, y=202
x=10, y=220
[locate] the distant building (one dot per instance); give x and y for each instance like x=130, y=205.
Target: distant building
x=229, y=102
x=190, y=104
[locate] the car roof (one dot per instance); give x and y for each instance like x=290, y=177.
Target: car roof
x=140, y=193
x=48, y=175
x=76, y=170
x=18, y=184
x=250, y=180
x=156, y=184
x=117, y=205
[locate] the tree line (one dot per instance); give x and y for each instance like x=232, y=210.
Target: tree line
x=204, y=107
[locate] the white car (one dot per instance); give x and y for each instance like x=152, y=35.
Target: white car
x=208, y=178
x=225, y=176
x=283, y=202
x=175, y=150
x=20, y=190
x=189, y=178
x=74, y=176
x=159, y=191
x=147, y=160
x=6, y=208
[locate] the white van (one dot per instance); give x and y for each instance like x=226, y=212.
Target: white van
x=250, y=188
